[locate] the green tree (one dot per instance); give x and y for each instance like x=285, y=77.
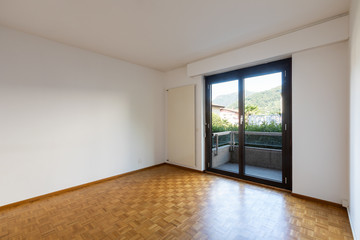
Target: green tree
x=221, y=125
x=264, y=127
x=250, y=110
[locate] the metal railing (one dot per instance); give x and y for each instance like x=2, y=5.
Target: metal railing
x=267, y=142
x=217, y=144
x=232, y=140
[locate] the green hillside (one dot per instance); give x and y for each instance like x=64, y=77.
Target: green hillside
x=225, y=100
x=228, y=99
x=267, y=101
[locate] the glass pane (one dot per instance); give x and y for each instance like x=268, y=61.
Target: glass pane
x=225, y=126
x=263, y=126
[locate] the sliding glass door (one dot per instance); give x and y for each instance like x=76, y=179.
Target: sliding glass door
x=248, y=123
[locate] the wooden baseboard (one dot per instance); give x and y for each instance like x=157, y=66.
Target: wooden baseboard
x=15, y=204
x=11, y=205
x=316, y=200
x=185, y=168
x=280, y=189
x=351, y=224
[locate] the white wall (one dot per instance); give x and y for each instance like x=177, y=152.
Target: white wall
x=328, y=32
x=177, y=78
x=320, y=122
x=354, y=209
x=69, y=116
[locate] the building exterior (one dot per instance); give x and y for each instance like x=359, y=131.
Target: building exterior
x=232, y=116
x=215, y=108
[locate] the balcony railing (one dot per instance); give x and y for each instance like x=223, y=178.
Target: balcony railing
x=262, y=153
x=272, y=140
x=224, y=140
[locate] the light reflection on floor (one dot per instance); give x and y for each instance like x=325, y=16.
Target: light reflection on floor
x=244, y=205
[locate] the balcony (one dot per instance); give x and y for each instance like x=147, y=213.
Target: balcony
x=263, y=154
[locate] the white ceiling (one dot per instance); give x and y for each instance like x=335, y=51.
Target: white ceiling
x=163, y=34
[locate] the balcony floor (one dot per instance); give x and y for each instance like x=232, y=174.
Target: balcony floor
x=259, y=172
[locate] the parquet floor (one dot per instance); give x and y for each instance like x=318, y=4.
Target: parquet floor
x=167, y=202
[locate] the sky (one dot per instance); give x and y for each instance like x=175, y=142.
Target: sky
x=253, y=84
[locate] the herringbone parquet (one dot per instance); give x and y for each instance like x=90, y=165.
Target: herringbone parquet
x=166, y=202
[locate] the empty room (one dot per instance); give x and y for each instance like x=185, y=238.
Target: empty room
x=180, y=119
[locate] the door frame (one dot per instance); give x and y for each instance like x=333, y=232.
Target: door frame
x=240, y=74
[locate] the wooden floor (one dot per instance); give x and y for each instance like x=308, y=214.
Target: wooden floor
x=167, y=202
